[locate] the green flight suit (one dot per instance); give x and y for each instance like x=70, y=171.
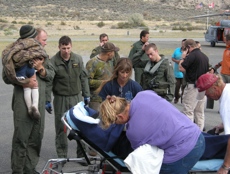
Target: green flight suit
x=137, y=46
x=97, y=51
x=162, y=81
x=28, y=133
x=70, y=83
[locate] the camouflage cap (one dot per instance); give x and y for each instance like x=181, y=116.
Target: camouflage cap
x=108, y=47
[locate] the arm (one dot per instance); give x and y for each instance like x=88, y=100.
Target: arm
x=183, y=56
x=132, y=52
x=84, y=80
x=180, y=66
x=5, y=79
x=217, y=65
x=136, y=59
x=115, y=58
x=175, y=60
x=171, y=80
x=226, y=165
x=92, y=69
x=95, y=52
x=50, y=73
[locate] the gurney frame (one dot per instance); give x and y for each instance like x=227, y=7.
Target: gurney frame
x=96, y=165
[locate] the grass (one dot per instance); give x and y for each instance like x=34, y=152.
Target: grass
x=84, y=43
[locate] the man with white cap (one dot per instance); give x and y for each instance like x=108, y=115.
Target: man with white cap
x=214, y=87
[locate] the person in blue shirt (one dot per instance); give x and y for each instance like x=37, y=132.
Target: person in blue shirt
x=120, y=84
x=176, y=57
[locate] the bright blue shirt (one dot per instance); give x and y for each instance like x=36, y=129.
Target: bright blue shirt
x=177, y=55
x=128, y=91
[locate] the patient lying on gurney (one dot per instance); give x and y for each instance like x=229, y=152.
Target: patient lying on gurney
x=114, y=139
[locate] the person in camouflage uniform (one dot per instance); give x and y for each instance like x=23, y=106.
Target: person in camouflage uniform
x=28, y=132
x=137, y=46
x=69, y=85
x=100, y=70
x=103, y=39
x=158, y=73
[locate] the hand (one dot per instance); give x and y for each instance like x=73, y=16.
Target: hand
x=49, y=107
x=86, y=100
x=143, y=47
x=217, y=66
x=111, y=99
x=222, y=171
x=38, y=63
x=101, y=44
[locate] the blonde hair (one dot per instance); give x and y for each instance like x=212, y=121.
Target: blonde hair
x=219, y=81
x=109, y=110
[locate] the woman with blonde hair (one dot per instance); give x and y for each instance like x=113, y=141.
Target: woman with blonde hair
x=120, y=84
x=152, y=120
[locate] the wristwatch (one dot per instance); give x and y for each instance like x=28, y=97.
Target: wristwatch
x=225, y=167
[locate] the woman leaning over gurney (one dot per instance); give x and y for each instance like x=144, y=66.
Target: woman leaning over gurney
x=153, y=120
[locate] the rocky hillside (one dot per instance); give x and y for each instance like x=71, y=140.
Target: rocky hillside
x=105, y=9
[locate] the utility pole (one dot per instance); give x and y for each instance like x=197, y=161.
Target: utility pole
x=207, y=17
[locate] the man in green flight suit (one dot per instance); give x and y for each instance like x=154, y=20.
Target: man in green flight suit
x=28, y=132
x=158, y=73
x=69, y=85
x=103, y=39
x=137, y=46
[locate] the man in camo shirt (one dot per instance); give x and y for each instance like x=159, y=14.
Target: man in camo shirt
x=100, y=70
x=103, y=39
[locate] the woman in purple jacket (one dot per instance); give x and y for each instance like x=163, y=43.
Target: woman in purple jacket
x=152, y=120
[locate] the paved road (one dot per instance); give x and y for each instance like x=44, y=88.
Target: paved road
x=48, y=147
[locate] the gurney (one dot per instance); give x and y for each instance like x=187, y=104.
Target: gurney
x=106, y=162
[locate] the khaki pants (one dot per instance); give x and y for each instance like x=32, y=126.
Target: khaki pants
x=192, y=107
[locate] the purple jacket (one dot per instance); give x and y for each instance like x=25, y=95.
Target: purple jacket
x=155, y=121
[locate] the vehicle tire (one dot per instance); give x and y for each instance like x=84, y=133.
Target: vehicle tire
x=213, y=44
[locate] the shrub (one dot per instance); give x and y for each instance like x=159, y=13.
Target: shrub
x=7, y=32
x=76, y=27
x=63, y=23
x=136, y=20
x=49, y=23
x=30, y=23
x=122, y=25
x=21, y=22
x=100, y=24
x=3, y=20
x=14, y=22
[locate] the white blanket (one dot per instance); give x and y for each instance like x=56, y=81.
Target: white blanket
x=145, y=159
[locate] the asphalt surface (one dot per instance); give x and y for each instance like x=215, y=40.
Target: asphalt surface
x=212, y=117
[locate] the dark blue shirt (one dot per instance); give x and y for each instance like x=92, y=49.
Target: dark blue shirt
x=128, y=91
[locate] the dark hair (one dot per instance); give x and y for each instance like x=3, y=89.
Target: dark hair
x=123, y=64
x=103, y=35
x=143, y=33
x=65, y=40
x=183, y=40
